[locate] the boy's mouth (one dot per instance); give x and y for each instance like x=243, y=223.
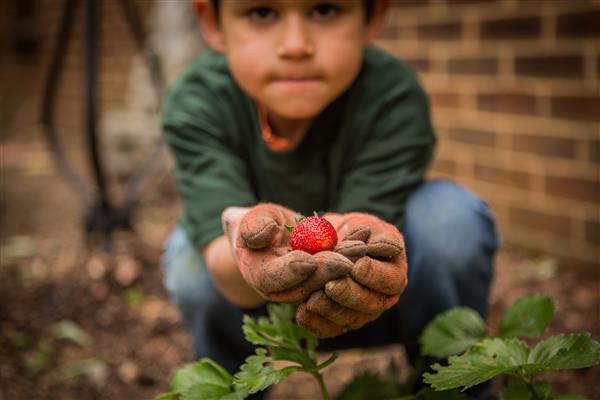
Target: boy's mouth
x=296, y=83
x=296, y=79
x=297, y=76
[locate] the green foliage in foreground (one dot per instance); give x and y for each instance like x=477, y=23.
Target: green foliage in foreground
x=277, y=337
x=475, y=357
x=459, y=335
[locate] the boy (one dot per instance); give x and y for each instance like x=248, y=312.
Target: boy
x=293, y=111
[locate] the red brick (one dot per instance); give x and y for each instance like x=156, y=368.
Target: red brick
x=541, y=221
x=444, y=166
x=514, y=178
x=473, y=66
x=579, y=25
x=594, y=151
x=409, y=3
x=573, y=188
x=584, y=267
x=443, y=31
x=474, y=2
x=420, y=64
x=389, y=32
x=470, y=136
x=550, y=66
x=586, y=108
x=444, y=99
x=592, y=231
x=545, y=145
x=517, y=103
x=511, y=28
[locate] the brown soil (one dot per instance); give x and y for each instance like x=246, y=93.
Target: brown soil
x=136, y=339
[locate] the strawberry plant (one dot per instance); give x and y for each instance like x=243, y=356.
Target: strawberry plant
x=277, y=338
x=459, y=334
x=475, y=356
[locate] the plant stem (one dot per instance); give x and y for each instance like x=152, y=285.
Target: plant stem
x=532, y=390
x=319, y=379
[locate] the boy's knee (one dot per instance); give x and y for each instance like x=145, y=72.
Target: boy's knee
x=449, y=225
x=185, y=275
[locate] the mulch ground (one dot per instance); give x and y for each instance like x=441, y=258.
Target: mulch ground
x=77, y=322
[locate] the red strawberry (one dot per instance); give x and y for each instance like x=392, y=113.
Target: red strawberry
x=313, y=234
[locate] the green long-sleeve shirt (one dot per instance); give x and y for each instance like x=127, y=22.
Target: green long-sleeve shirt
x=364, y=152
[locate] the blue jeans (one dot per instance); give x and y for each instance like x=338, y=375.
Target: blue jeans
x=450, y=240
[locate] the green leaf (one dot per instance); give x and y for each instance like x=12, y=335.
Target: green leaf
x=258, y=372
x=516, y=389
x=167, y=396
x=480, y=363
x=452, y=332
x=133, y=296
x=206, y=380
x=40, y=359
x=528, y=316
x=576, y=350
x=568, y=397
x=203, y=372
x=69, y=330
x=280, y=330
x=207, y=391
x=80, y=368
x=294, y=355
x=285, y=341
x=19, y=339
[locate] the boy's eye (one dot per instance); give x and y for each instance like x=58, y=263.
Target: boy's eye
x=325, y=11
x=262, y=14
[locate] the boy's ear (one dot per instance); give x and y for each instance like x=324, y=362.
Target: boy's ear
x=209, y=25
x=378, y=19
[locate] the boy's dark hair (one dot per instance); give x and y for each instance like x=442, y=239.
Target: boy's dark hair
x=369, y=6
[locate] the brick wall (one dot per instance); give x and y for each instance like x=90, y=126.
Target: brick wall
x=514, y=89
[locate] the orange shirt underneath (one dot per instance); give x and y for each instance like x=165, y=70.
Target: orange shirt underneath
x=275, y=143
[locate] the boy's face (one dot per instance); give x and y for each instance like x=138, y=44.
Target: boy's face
x=293, y=56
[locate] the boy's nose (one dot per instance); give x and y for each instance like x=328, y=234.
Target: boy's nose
x=295, y=40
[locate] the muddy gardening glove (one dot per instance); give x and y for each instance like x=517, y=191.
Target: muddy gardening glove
x=377, y=279
x=262, y=250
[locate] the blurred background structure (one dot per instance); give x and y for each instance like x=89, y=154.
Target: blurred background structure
x=513, y=84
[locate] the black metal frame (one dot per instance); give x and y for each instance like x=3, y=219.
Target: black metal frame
x=102, y=215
